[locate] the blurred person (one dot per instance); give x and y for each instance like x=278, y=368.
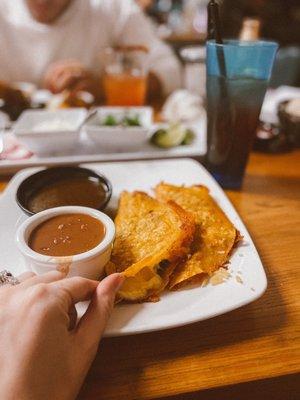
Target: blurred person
x=44, y=353
x=57, y=43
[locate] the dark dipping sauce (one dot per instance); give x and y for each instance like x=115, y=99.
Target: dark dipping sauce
x=67, y=235
x=68, y=192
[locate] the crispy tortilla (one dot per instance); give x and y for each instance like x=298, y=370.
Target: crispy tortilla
x=151, y=239
x=215, y=235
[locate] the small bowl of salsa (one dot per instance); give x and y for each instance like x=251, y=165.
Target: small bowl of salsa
x=63, y=186
x=75, y=240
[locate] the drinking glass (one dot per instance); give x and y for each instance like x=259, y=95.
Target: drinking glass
x=125, y=75
x=237, y=77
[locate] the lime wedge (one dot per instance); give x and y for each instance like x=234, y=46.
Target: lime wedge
x=170, y=137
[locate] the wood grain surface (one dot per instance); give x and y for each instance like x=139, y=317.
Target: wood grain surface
x=257, y=343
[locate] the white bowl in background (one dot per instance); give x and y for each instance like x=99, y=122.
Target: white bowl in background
x=119, y=137
x=47, y=132
x=88, y=265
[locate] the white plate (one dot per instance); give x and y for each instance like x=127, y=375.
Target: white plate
x=174, y=308
x=89, y=154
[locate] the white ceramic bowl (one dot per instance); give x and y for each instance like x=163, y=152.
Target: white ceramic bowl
x=88, y=265
x=40, y=132
x=119, y=138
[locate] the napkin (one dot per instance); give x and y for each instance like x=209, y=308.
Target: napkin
x=183, y=106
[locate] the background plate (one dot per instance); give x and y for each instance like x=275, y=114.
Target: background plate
x=92, y=153
x=174, y=308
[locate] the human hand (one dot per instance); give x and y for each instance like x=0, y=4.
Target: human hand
x=44, y=354
x=70, y=75
x=144, y=4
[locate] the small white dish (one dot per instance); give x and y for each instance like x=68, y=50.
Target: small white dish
x=119, y=137
x=47, y=132
x=88, y=265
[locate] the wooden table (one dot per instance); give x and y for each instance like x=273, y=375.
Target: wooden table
x=258, y=344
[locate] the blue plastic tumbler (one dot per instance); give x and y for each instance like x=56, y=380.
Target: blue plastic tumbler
x=237, y=77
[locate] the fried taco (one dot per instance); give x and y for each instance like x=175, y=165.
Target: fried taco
x=152, y=237
x=215, y=235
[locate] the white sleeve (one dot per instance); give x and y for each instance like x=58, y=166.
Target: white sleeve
x=132, y=27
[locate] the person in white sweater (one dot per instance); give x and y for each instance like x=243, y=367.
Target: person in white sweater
x=56, y=43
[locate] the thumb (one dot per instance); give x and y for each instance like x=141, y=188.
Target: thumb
x=93, y=322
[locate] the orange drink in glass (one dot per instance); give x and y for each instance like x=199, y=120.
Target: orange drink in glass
x=125, y=76
x=125, y=89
